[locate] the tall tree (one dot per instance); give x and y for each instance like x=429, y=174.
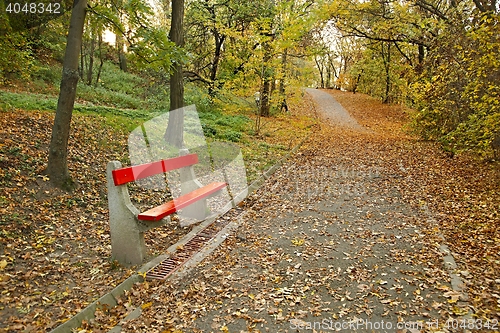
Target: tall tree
x=213, y=28
x=57, y=168
x=120, y=43
x=174, y=133
x=266, y=77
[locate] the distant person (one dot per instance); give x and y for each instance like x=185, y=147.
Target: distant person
x=284, y=106
x=257, y=98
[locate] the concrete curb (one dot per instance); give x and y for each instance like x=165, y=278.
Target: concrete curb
x=449, y=263
x=110, y=299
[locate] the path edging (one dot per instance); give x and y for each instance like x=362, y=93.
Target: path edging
x=450, y=265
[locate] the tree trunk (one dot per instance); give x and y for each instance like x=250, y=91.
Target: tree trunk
x=123, y=61
x=101, y=60
x=219, y=41
x=174, y=134
x=330, y=69
x=356, y=83
x=90, y=69
x=57, y=167
x=264, y=102
x=266, y=81
x=282, y=85
x=387, y=67
x=122, y=58
x=319, y=64
x=81, y=69
x=421, y=57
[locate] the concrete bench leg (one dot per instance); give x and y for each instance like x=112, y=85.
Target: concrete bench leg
x=127, y=240
x=199, y=209
x=189, y=183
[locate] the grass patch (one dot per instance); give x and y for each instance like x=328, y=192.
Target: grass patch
x=117, y=118
x=29, y=102
x=102, y=96
x=225, y=127
x=49, y=74
x=115, y=80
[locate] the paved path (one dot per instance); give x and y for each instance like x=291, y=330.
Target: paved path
x=328, y=244
x=332, y=110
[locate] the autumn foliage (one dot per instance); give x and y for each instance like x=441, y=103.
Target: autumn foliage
x=458, y=94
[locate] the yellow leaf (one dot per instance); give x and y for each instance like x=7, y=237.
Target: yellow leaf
x=3, y=264
x=298, y=242
x=460, y=311
x=146, y=305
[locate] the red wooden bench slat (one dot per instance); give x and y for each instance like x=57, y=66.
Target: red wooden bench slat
x=136, y=172
x=157, y=213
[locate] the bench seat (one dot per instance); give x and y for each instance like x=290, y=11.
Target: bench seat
x=168, y=208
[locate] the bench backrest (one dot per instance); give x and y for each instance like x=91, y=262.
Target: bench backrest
x=141, y=171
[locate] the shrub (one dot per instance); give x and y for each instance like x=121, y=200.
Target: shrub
x=458, y=100
x=231, y=136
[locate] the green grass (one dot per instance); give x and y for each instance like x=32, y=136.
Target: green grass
x=101, y=96
x=215, y=124
x=114, y=117
x=225, y=127
x=115, y=89
x=123, y=100
x=115, y=80
x=48, y=74
x=216, y=121
x=10, y=101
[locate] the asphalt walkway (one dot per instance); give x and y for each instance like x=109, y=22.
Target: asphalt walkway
x=326, y=245
x=332, y=110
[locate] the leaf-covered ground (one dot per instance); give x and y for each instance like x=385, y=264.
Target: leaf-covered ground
x=280, y=265
x=348, y=229
x=55, y=246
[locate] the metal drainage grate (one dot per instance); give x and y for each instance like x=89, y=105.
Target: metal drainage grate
x=193, y=246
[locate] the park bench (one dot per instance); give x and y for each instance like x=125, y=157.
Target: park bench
x=128, y=224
